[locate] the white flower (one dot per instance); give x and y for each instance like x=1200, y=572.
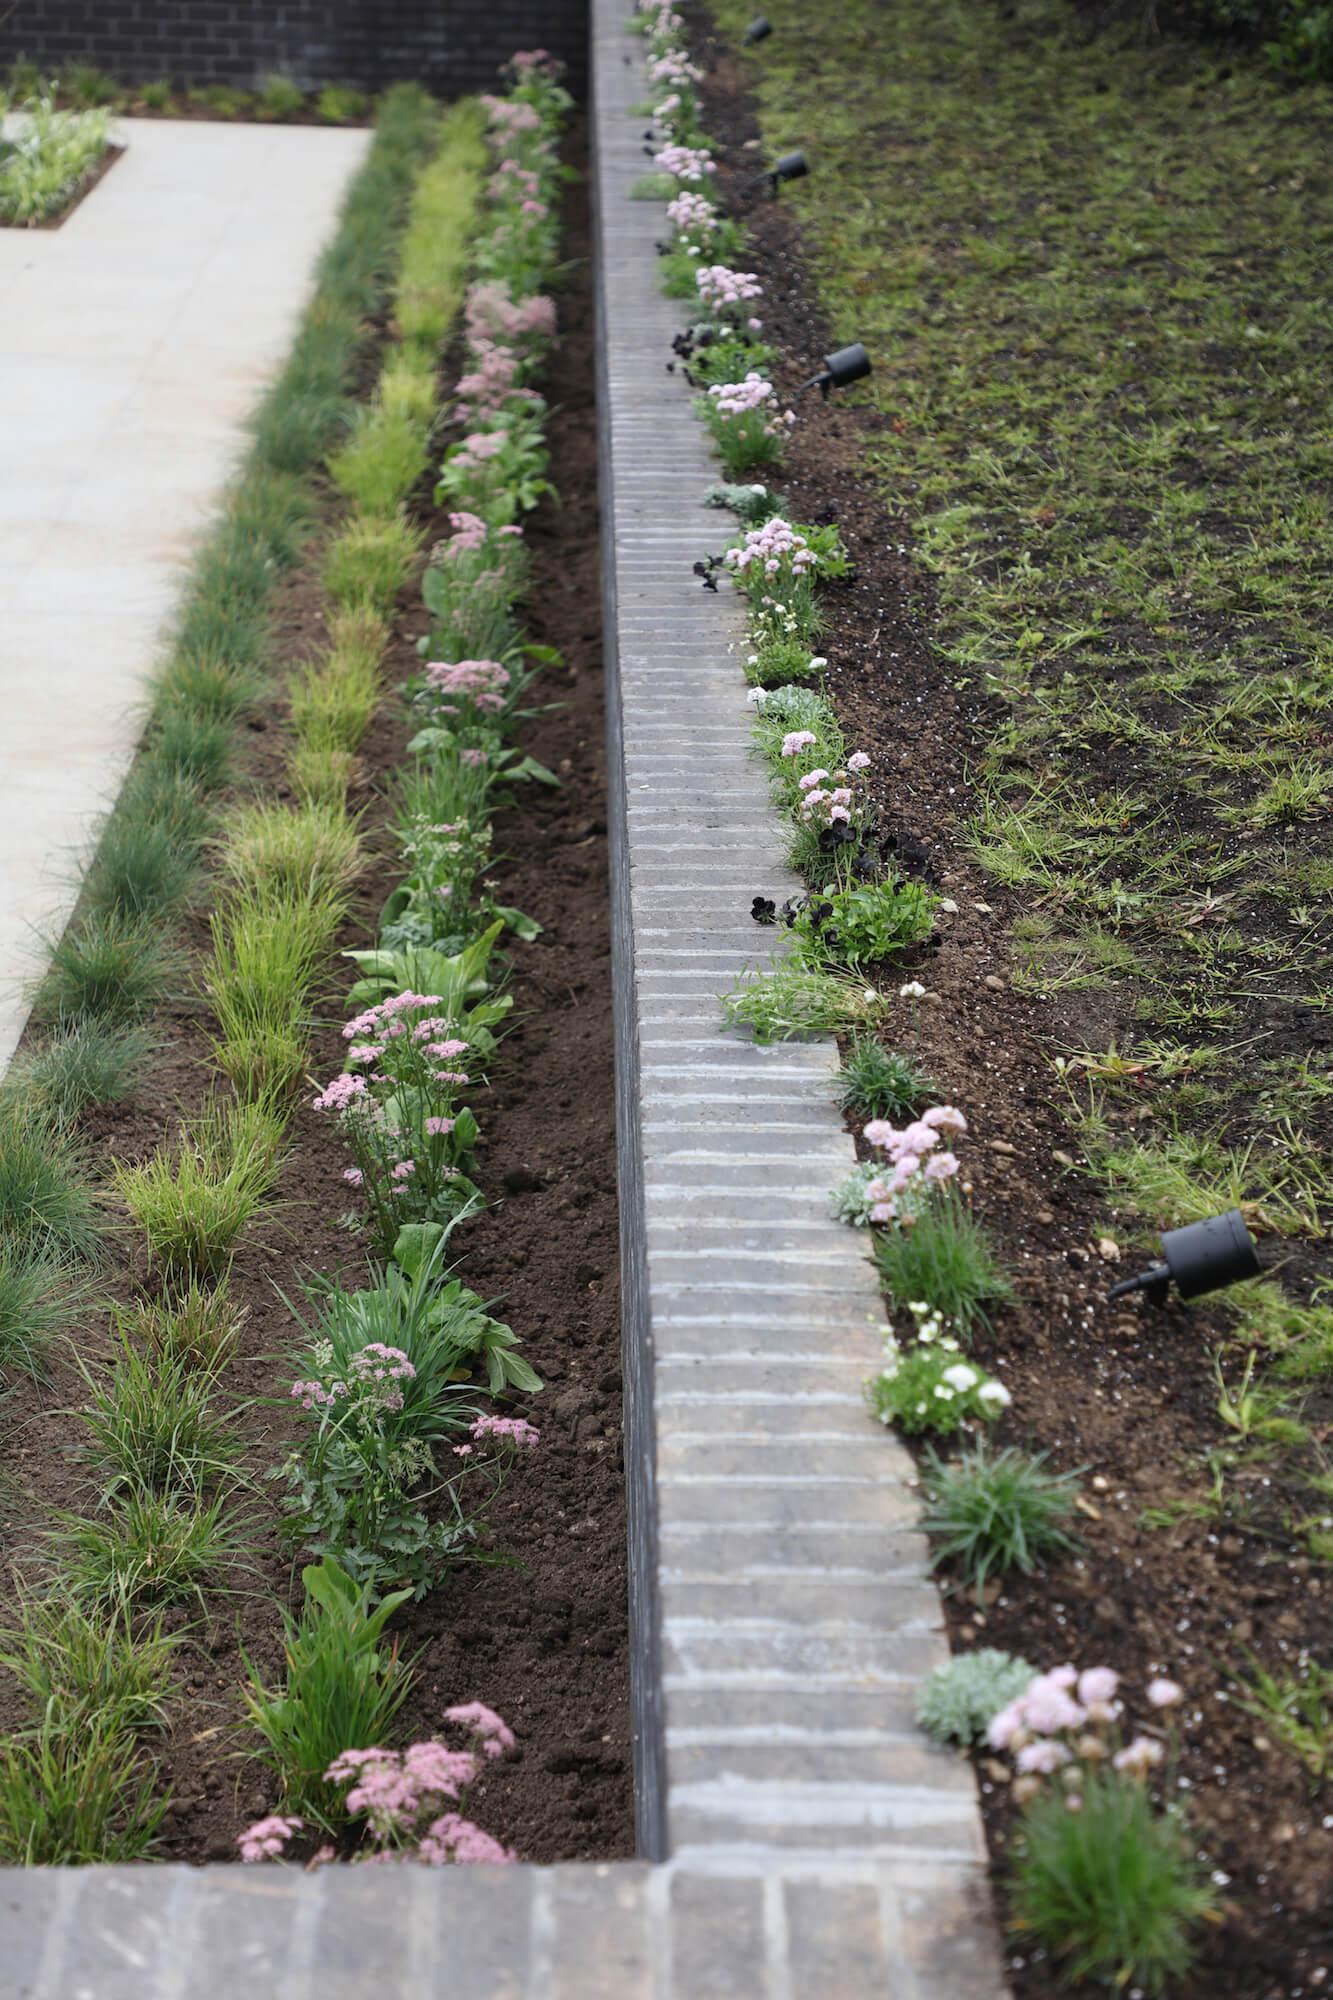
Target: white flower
x=757, y=697
x=945, y=1395
x=817, y=662
x=870, y=996
x=961, y=1376
x=995, y=1392
x=913, y=990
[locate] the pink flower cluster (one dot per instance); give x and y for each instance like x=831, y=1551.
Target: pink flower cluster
x=505, y=1430
x=719, y=286
x=372, y=1364
x=836, y=804
x=480, y=681
x=737, y=399
x=692, y=214
x=265, y=1840
x=912, y=1153
x=488, y=385
x=797, y=740
x=775, y=546
x=673, y=67
x=386, y=1019
x=1064, y=1718
x=686, y=163
x=507, y=115
x=340, y=1093
x=492, y=317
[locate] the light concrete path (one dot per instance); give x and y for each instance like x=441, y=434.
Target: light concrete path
x=134, y=341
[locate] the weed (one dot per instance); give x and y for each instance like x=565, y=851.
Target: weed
x=193, y=1206
x=367, y=565
x=113, y=970
x=947, y=1259
x=153, y=1420
x=101, y=1667
x=46, y=1207
x=344, y=1685
x=791, y=1000
x=1296, y=1708
x=877, y=1083
x=1256, y=1414
x=150, y=1549
x=1111, y=1891
x=996, y=1512
x=70, y=1797
x=1183, y=1179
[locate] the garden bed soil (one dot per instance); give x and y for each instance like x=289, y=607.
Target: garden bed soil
x=1123, y=1391
x=544, y=1639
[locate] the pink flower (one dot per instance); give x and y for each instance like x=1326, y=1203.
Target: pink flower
x=509, y=1430
x=857, y=761
x=340, y=1093
x=942, y=1167
x=436, y=1128
x=1097, y=1686
x=483, y=1722
x=353, y=1176
x=796, y=741
x=811, y=779
x=1003, y=1726
x=1043, y=1757
x=265, y=1840
x=944, y=1118
x=404, y=1170
x=1161, y=1693
x=1138, y=1757
x=451, y=1838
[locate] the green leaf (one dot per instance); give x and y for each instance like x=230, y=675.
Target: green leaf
x=526, y=928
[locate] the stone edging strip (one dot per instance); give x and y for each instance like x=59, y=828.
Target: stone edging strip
x=804, y=1841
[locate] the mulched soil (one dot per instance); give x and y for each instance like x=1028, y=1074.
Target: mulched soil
x=1123, y=1390
x=545, y=1641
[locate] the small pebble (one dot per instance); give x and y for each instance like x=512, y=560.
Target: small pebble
x=1108, y=1248
x=947, y=907
x=984, y=908
x=1061, y=1159
x=994, y=981
x=933, y=999
x=1044, y=1215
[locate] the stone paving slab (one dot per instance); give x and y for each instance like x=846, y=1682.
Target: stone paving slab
x=134, y=341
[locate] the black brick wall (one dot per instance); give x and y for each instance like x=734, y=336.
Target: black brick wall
x=450, y=45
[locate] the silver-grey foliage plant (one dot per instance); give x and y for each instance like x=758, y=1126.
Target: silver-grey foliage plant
x=955, y=1702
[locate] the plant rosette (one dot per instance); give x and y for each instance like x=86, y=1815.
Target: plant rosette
x=929, y=1388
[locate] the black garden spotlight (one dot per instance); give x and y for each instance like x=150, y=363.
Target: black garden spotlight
x=1201, y=1257
x=840, y=370
x=759, y=30
x=791, y=167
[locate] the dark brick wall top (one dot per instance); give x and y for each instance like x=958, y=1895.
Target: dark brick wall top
x=450, y=45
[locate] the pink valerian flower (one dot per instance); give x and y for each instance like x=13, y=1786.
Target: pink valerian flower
x=343, y=1090
x=265, y=1840
x=494, y=1732
x=797, y=740
x=464, y=1450
x=509, y=1430
x=451, y=1838
x=438, y=1128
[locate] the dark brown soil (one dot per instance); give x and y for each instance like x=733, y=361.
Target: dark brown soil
x=1124, y=1391
x=545, y=1642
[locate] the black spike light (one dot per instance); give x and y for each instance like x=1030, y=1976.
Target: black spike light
x=1201, y=1257
x=848, y=365
x=791, y=167
x=759, y=30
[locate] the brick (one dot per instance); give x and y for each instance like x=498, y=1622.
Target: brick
x=602, y=1945
x=838, y=1923
x=717, y=1938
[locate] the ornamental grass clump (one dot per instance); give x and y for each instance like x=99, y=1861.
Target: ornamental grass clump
x=148, y=1549
x=879, y=1083
x=46, y=1208
x=154, y=1420
x=368, y=563
x=193, y=1204
x=75, y=1797
x=994, y=1512
x=946, y=1257
x=104, y=1666
x=112, y=969
x=1104, y=1879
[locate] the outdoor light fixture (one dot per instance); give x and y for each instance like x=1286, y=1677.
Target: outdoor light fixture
x=759, y=30
x=848, y=365
x=791, y=167
x=1201, y=1258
